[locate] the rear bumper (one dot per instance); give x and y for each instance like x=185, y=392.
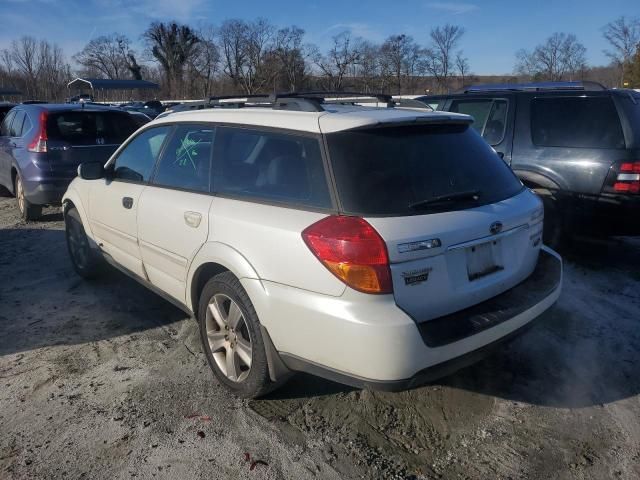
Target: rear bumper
x=45, y=192
x=605, y=214
x=367, y=341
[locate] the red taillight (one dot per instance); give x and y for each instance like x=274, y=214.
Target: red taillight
x=623, y=178
x=630, y=167
x=353, y=251
x=39, y=142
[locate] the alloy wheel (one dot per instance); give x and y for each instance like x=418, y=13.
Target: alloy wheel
x=228, y=337
x=20, y=195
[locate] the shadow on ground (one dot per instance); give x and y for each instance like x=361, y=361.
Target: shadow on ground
x=584, y=351
x=45, y=303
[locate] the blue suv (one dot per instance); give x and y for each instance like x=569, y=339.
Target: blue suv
x=42, y=145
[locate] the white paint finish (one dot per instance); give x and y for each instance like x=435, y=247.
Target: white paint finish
x=334, y=118
x=270, y=239
x=114, y=226
x=362, y=335
x=448, y=287
x=167, y=241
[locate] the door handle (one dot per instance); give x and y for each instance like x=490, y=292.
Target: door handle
x=127, y=202
x=192, y=219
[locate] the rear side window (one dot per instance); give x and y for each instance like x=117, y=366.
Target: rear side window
x=270, y=166
x=6, y=124
x=186, y=161
x=90, y=128
x=135, y=162
x=16, y=125
x=395, y=170
x=490, y=116
x=583, y=122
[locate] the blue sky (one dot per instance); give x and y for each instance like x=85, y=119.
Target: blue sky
x=494, y=29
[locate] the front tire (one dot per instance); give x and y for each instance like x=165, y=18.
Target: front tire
x=28, y=211
x=231, y=337
x=86, y=262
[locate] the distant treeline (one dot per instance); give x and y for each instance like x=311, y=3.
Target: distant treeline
x=258, y=57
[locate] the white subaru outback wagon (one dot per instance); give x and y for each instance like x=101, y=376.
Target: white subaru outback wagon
x=378, y=247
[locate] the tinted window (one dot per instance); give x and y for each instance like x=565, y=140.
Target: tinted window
x=384, y=171
x=6, y=123
x=186, y=160
x=16, y=125
x=270, y=166
x=90, y=128
x=137, y=159
x=588, y=122
x=490, y=116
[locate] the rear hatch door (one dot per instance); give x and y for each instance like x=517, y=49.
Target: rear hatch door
x=78, y=136
x=459, y=226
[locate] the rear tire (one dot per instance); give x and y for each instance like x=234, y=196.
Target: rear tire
x=86, y=262
x=231, y=337
x=28, y=211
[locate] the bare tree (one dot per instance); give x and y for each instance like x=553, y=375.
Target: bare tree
x=400, y=57
x=173, y=46
x=205, y=63
x=292, y=55
x=342, y=57
x=439, y=58
x=623, y=34
x=560, y=57
x=462, y=66
x=107, y=55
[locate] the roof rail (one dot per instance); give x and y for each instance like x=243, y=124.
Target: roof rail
x=533, y=86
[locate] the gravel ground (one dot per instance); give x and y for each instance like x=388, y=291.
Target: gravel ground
x=105, y=380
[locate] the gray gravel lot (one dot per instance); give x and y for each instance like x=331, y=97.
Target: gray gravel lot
x=105, y=380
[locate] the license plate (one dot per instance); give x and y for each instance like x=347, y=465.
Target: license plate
x=481, y=260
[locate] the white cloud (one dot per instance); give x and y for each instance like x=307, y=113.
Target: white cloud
x=453, y=7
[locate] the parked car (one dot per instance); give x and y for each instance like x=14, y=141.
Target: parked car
x=576, y=144
x=152, y=108
x=41, y=146
x=374, y=247
x=4, y=109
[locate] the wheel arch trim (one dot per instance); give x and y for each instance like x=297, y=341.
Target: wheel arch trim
x=216, y=253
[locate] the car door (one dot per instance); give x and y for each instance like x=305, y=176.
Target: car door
x=113, y=201
x=5, y=151
x=173, y=212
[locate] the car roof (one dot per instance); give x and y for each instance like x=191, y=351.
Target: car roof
x=332, y=118
x=68, y=107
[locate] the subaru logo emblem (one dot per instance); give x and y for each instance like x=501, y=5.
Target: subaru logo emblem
x=496, y=227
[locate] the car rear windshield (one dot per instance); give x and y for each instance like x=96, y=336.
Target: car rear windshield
x=413, y=170
x=90, y=128
x=583, y=122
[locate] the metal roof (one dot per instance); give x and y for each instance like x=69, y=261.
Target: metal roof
x=333, y=118
x=111, y=84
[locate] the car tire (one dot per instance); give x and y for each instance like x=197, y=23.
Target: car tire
x=226, y=332
x=28, y=211
x=86, y=261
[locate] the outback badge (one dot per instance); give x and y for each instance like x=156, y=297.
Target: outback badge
x=414, y=277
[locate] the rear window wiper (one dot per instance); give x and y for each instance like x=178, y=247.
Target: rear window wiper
x=447, y=198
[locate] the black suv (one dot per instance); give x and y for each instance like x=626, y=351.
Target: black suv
x=577, y=144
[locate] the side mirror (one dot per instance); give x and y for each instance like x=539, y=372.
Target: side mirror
x=91, y=170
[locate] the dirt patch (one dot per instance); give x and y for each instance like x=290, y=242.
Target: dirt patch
x=106, y=380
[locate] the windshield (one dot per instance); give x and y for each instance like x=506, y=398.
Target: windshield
x=413, y=170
